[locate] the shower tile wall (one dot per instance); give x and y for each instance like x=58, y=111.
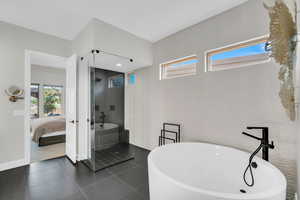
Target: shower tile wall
x=106, y=139
x=110, y=101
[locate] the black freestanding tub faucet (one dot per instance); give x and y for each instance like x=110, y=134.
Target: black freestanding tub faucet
x=264, y=140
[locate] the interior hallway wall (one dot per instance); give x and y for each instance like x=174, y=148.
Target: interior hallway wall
x=14, y=40
x=215, y=107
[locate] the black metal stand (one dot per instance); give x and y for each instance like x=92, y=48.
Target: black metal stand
x=162, y=138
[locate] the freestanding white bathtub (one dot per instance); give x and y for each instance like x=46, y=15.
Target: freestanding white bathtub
x=200, y=171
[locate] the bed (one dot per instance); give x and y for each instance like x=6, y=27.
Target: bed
x=49, y=130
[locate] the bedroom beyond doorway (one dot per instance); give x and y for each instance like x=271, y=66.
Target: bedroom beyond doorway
x=50, y=120
x=47, y=112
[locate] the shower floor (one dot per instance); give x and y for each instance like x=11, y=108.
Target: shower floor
x=117, y=154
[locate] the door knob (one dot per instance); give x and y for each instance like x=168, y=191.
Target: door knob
x=73, y=121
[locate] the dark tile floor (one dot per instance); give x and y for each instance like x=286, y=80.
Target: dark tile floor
x=110, y=156
x=58, y=179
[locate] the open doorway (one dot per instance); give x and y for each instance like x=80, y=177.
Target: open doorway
x=47, y=112
x=50, y=107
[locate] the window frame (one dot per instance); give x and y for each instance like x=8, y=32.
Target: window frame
x=38, y=99
x=62, y=98
x=110, y=84
x=235, y=46
x=175, y=61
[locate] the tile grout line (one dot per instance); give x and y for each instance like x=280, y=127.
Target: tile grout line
x=130, y=186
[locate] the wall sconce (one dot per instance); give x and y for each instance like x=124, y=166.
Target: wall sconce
x=14, y=93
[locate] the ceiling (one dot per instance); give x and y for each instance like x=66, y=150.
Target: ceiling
x=149, y=19
x=114, y=63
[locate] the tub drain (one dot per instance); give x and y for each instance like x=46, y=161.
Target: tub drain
x=243, y=191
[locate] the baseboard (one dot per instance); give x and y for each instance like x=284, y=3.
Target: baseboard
x=12, y=164
x=81, y=157
x=141, y=146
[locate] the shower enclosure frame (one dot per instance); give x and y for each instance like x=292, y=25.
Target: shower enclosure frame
x=90, y=132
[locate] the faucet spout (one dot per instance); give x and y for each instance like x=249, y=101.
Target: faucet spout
x=264, y=145
x=264, y=140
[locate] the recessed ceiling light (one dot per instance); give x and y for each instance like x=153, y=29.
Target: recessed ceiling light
x=119, y=65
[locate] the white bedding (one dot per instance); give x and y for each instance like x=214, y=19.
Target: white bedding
x=54, y=134
x=35, y=123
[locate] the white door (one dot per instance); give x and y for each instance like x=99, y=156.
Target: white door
x=71, y=119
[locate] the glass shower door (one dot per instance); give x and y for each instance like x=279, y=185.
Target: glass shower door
x=109, y=141
x=90, y=162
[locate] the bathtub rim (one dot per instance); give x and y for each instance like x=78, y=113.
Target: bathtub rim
x=269, y=193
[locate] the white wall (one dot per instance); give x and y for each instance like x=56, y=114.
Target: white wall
x=83, y=43
x=48, y=76
x=114, y=40
x=214, y=107
x=100, y=35
x=14, y=40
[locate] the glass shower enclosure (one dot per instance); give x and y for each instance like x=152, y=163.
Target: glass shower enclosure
x=108, y=139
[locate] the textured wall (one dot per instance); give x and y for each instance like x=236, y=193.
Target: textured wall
x=214, y=107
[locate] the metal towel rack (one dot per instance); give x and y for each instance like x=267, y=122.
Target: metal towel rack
x=162, y=138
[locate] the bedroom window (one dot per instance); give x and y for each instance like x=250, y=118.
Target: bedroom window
x=237, y=55
x=179, y=68
x=52, y=100
x=34, y=107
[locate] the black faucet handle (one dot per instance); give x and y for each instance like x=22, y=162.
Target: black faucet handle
x=252, y=136
x=272, y=146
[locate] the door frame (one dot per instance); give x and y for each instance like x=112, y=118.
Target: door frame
x=83, y=110
x=27, y=92
x=71, y=109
